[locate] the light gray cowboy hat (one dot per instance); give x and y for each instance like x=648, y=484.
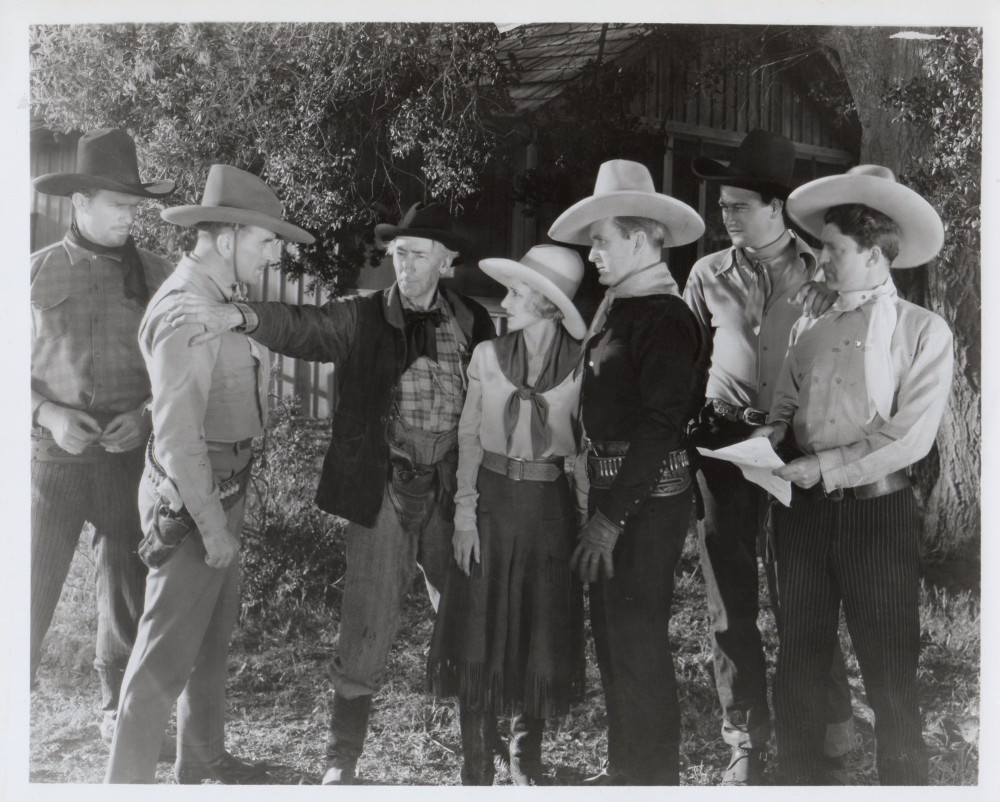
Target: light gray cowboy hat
x=552, y=270
x=105, y=159
x=625, y=189
x=921, y=229
x=236, y=196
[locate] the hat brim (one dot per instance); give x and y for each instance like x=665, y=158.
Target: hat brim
x=192, y=215
x=507, y=271
x=68, y=183
x=921, y=229
x=682, y=222
x=386, y=233
x=711, y=170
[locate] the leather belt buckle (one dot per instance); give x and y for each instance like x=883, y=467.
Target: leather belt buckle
x=515, y=469
x=753, y=417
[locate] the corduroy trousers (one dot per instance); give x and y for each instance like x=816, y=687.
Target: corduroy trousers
x=862, y=554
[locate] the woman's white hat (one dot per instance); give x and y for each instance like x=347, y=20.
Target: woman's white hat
x=921, y=229
x=553, y=271
x=625, y=189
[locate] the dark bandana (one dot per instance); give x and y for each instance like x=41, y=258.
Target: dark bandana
x=133, y=276
x=512, y=354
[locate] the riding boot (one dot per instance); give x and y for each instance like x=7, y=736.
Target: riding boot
x=478, y=737
x=348, y=728
x=526, y=749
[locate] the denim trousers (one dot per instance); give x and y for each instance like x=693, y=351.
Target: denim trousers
x=180, y=650
x=410, y=532
x=630, y=620
x=65, y=495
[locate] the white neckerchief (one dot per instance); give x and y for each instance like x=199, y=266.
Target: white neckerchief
x=879, y=375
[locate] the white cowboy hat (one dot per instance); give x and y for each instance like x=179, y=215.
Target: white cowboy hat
x=625, y=189
x=236, y=196
x=553, y=271
x=921, y=229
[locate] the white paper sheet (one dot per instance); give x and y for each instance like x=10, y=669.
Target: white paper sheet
x=756, y=459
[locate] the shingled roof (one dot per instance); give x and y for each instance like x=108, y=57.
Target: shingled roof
x=548, y=55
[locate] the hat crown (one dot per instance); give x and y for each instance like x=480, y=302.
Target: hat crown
x=623, y=175
x=233, y=188
x=562, y=266
x=873, y=171
x=427, y=215
x=108, y=153
x=766, y=156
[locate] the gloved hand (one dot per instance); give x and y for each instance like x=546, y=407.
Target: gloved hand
x=465, y=544
x=593, y=552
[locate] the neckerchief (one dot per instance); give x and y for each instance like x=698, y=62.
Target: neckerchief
x=654, y=279
x=133, y=276
x=760, y=283
x=512, y=354
x=421, y=333
x=880, y=379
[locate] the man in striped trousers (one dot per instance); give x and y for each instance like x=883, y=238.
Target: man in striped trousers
x=862, y=391
x=89, y=393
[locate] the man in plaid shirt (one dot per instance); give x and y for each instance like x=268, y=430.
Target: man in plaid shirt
x=390, y=468
x=89, y=392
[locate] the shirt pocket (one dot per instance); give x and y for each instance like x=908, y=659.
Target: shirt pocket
x=51, y=316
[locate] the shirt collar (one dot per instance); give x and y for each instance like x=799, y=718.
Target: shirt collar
x=77, y=253
x=802, y=250
x=201, y=275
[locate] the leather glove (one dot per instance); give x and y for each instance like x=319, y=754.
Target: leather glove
x=593, y=552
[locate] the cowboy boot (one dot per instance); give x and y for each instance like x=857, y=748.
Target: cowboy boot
x=348, y=728
x=526, y=749
x=478, y=737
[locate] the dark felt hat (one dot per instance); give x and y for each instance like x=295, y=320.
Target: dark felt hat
x=764, y=162
x=105, y=159
x=241, y=198
x=429, y=221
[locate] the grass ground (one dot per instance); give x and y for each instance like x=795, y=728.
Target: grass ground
x=278, y=704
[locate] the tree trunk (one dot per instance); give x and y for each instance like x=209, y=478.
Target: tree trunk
x=948, y=479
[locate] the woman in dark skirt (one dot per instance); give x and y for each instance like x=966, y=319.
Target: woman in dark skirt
x=508, y=639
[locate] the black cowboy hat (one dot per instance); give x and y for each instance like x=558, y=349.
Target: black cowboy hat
x=429, y=221
x=105, y=159
x=764, y=162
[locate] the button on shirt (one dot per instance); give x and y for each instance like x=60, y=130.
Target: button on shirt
x=822, y=393
x=214, y=392
x=84, y=353
x=742, y=367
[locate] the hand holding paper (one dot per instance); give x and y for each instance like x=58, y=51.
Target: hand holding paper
x=756, y=459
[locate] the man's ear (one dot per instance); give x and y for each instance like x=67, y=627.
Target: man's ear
x=224, y=242
x=776, y=206
x=641, y=239
x=874, y=256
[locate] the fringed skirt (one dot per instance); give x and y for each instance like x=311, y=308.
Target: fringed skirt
x=509, y=639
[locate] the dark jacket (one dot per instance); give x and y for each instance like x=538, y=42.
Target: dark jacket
x=364, y=338
x=640, y=386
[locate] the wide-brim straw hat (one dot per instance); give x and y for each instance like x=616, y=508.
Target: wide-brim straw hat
x=105, y=159
x=235, y=196
x=552, y=270
x=425, y=220
x=625, y=189
x=764, y=162
x=921, y=229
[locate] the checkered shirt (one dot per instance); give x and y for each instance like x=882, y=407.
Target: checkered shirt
x=84, y=352
x=431, y=394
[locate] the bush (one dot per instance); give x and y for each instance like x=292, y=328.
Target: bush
x=293, y=555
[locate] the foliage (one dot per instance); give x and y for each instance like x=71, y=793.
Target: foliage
x=293, y=554
x=342, y=120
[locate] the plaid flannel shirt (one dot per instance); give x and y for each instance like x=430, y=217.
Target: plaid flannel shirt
x=84, y=351
x=431, y=394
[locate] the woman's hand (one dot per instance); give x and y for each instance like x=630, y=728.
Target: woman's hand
x=465, y=544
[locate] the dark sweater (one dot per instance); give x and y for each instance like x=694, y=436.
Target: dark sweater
x=639, y=386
